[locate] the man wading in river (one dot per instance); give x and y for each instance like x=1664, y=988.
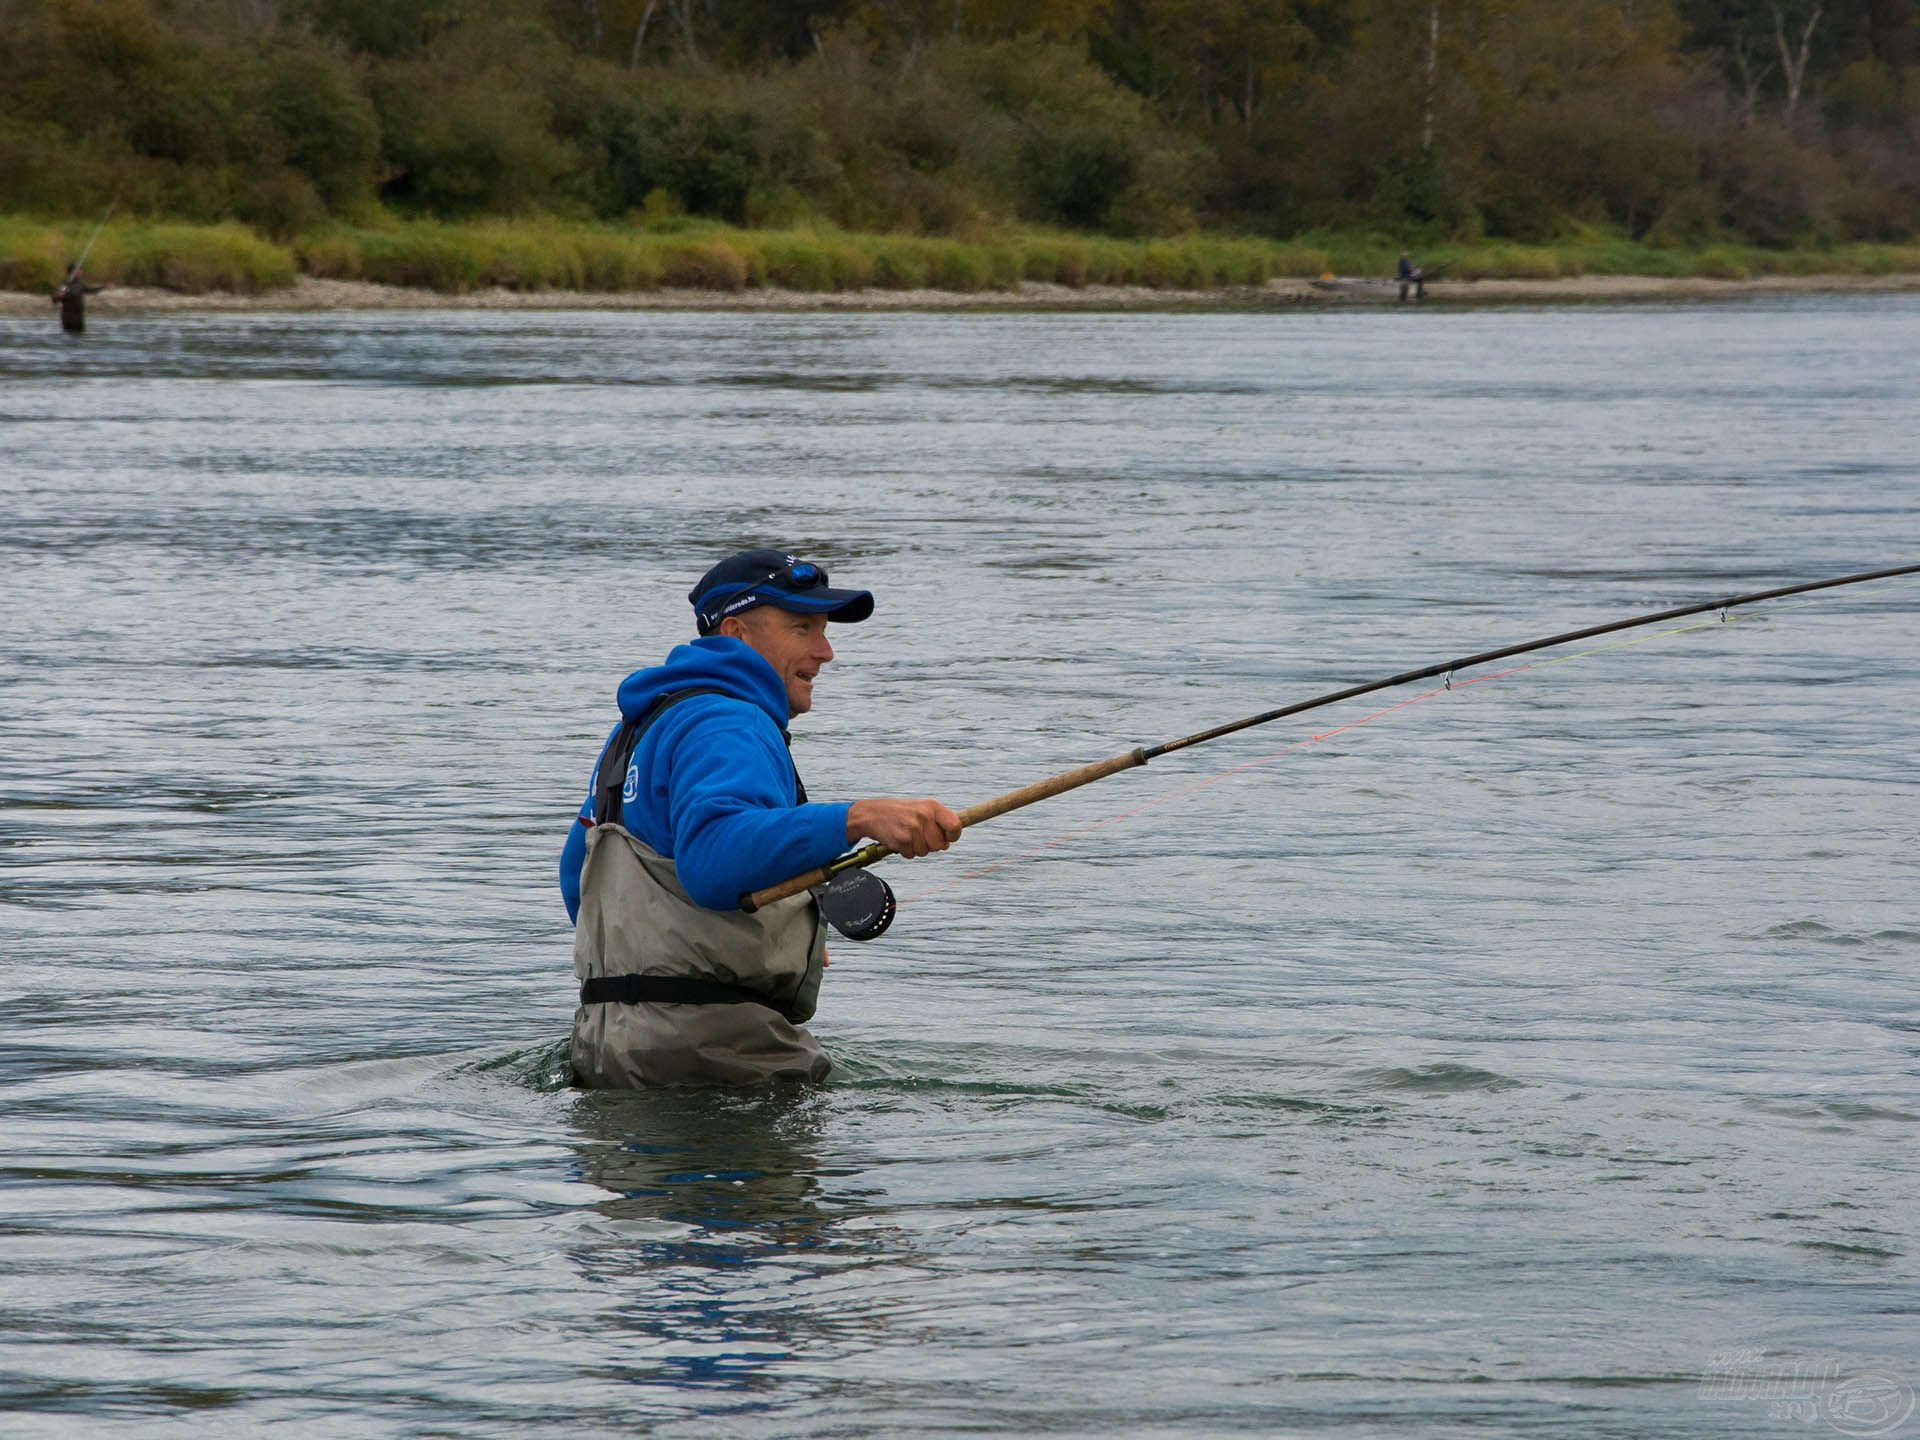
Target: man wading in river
x=71, y=297
x=695, y=802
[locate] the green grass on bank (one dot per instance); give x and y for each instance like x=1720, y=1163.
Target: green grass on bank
x=535, y=255
x=1602, y=256
x=550, y=255
x=192, y=259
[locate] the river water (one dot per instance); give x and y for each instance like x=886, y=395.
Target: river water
x=1537, y=1059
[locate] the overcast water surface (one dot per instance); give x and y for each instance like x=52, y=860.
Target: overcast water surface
x=1535, y=1059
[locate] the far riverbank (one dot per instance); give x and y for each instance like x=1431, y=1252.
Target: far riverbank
x=677, y=262
x=309, y=294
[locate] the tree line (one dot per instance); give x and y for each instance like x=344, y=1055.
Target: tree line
x=1774, y=122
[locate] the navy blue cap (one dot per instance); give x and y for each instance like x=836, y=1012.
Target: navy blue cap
x=772, y=577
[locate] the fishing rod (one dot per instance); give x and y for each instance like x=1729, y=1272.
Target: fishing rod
x=881, y=907
x=111, y=207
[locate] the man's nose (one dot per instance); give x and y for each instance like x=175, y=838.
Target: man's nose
x=823, y=652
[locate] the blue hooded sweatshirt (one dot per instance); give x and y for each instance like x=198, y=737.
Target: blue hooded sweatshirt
x=711, y=785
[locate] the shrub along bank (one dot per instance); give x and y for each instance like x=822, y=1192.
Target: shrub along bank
x=192, y=259
x=675, y=252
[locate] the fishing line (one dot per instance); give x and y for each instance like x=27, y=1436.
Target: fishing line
x=1195, y=786
x=1453, y=684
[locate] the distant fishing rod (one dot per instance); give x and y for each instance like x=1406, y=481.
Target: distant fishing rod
x=111, y=207
x=882, y=911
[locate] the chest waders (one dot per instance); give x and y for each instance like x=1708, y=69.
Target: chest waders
x=672, y=993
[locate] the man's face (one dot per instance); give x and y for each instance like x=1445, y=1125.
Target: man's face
x=794, y=645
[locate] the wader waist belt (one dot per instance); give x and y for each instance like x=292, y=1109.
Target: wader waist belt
x=666, y=990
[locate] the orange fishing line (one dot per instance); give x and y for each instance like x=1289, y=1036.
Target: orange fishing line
x=1193, y=787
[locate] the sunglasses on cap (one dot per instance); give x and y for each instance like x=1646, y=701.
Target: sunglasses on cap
x=801, y=575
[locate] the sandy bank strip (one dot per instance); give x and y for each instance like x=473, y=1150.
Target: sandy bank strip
x=308, y=294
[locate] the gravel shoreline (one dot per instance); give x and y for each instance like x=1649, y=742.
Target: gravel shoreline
x=309, y=294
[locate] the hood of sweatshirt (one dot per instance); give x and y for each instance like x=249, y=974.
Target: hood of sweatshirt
x=712, y=662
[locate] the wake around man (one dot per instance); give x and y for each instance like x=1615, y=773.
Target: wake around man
x=695, y=802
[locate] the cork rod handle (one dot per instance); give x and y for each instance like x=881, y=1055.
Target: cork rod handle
x=972, y=815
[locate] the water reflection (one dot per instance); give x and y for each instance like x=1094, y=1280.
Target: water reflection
x=720, y=1160
x=731, y=1219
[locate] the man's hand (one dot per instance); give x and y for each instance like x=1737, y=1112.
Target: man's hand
x=911, y=827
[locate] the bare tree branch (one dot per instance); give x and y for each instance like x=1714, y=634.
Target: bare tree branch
x=1433, y=77
x=640, y=32
x=1793, y=60
x=1752, y=76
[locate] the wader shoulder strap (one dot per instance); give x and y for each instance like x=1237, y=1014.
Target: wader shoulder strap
x=610, y=775
x=799, y=785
